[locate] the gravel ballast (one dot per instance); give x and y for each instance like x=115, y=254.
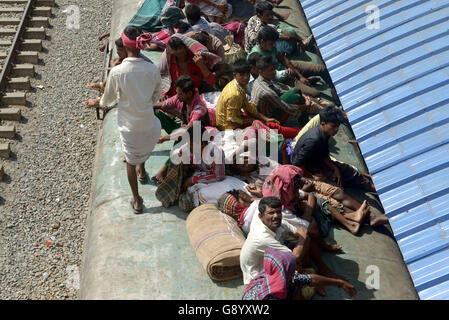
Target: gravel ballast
x=44, y=197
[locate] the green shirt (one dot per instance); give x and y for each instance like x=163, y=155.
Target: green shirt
x=273, y=53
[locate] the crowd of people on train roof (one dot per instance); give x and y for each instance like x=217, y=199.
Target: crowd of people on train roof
x=232, y=71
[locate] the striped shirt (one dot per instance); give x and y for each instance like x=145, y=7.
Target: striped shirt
x=266, y=95
x=230, y=104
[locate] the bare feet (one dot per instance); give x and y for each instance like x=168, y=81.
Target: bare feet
x=136, y=205
x=159, y=177
x=284, y=16
x=359, y=215
x=92, y=103
x=378, y=220
x=331, y=247
x=354, y=227
x=96, y=85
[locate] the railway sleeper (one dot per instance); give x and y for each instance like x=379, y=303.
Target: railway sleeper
x=30, y=33
x=22, y=70
x=49, y=3
x=38, y=11
x=7, y=132
x=25, y=45
x=5, y=150
x=14, y=98
x=22, y=83
x=35, y=22
x=12, y=114
x=23, y=56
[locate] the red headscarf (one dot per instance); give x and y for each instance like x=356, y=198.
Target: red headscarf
x=280, y=184
x=140, y=42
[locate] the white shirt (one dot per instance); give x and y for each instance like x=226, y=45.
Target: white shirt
x=136, y=84
x=260, y=238
x=253, y=210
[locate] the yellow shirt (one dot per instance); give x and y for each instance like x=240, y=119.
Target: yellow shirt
x=314, y=122
x=230, y=104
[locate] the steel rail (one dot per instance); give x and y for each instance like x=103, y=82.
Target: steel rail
x=14, y=46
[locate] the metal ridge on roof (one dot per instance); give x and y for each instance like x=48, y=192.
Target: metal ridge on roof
x=389, y=62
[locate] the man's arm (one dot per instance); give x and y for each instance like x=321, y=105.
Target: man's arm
x=322, y=281
x=288, y=64
x=109, y=96
x=337, y=174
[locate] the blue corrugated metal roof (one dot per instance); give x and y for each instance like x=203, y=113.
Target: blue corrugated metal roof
x=393, y=83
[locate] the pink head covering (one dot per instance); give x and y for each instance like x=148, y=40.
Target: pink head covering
x=280, y=184
x=140, y=42
x=278, y=267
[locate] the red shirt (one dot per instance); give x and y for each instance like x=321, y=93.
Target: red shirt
x=193, y=71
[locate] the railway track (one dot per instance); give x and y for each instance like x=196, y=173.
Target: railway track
x=22, y=29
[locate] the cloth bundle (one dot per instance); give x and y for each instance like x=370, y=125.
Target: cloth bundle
x=217, y=241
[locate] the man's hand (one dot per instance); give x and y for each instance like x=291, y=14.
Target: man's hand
x=272, y=120
x=337, y=176
x=319, y=177
x=223, y=8
x=348, y=288
x=304, y=80
x=163, y=139
x=307, y=104
x=198, y=59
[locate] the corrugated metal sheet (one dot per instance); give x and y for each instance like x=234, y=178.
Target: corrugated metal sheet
x=394, y=84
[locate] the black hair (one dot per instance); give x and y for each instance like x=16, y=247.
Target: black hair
x=241, y=66
x=175, y=43
x=202, y=37
x=193, y=12
x=298, y=181
x=264, y=62
x=331, y=114
x=253, y=57
x=119, y=43
x=234, y=193
x=267, y=33
x=262, y=6
x=272, y=202
x=185, y=83
x=132, y=32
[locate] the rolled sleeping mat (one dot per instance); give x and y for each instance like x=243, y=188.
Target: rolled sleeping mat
x=217, y=241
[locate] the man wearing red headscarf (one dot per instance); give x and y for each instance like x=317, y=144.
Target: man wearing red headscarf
x=139, y=84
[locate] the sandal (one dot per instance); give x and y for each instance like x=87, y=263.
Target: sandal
x=144, y=179
x=134, y=209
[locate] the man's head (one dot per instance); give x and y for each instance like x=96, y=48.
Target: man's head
x=177, y=47
x=193, y=13
x=121, y=51
x=252, y=60
x=266, y=38
x=185, y=88
x=265, y=66
x=241, y=71
x=202, y=37
x=270, y=212
x=132, y=32
x=330, y=120
x=264, y=11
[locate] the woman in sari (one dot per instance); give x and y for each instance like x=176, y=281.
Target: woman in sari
x=279, y=280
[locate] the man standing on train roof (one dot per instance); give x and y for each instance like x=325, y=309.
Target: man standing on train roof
x=139, y=84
